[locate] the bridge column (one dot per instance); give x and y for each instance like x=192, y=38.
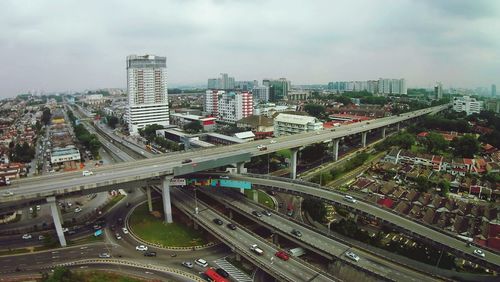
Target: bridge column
x=237, y=257
x=150, y=202
x=56, y=217
x=383, y=132
x=293, y=163
x=195, y=225
x=363, y=138
x=230, y=214
x=167, y=205
x=336, y=149
x=240, y=168
x=397, y=125
x=276, y=239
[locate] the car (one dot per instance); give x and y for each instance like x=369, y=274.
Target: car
x=104, y=255
x=257, y=214
x=31, y=210
x=349, y=199
x=118, y=237
x=282, y=255
x=78, y=209
x=289, y=213
x=124, y=230
x=187, y=264
x=273, y=142
x=296, y=232
x=222, y=272
x=479, y=253
x=87, y=173
x=173, y=255
x=352, y=256
x=150, y=254
x=186, y=161
x=218, y=221
x=7, y=193
x=231, y=226
x=262, y=148
x=97, y=227
x=141, y=248
x=65, y=229
x=27, y=236
x=201, y=262
x=38, y=207
x=266, y=212
x=71, y=232
x=41, y=237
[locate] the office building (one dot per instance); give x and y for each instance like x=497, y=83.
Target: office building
x=213, y=83
x=224, y=82
x=278, y=88
x=147, y=92
x=467, y=104
x=493, y=90
x=260, y=94
x=438, y=91
x=287, y=124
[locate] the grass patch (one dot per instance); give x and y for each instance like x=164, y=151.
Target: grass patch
x=287, y=153
x=154, y=230
x=263, y=198
x=102, y=276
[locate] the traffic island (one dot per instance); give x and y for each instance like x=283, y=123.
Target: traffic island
x=150, y=228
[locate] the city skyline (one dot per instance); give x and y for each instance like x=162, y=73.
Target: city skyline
x=44, y=47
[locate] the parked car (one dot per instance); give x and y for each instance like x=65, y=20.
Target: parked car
x=257, y=214
x=231, y=226
x=104, y=255
x=479, y=253
x=282, y=255
x=352, y=256
x=27, y=236
x=187, y=264
x=141, y=248
x=201, y=262
x=218, y=221
x=296, y=233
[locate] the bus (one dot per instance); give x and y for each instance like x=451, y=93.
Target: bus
x=214, y=276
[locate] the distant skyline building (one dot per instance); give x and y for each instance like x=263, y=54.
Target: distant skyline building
x=260, y=94
x=224, y=82
x=278, y=88
x=147, y=92
x=438, y=91
x=493, y=90
x=383, y=86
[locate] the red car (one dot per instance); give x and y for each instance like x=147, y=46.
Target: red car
x=282, y=255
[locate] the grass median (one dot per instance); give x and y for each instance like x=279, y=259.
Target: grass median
x=152, y=229
x=263, y=198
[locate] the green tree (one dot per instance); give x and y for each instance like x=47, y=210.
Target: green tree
x=112, y=121
x=465, y=146
x=423, y=184
x=344, y=100
x=434, y=143
x=149, y=132
x=46, y=116
x=315, y=208
x=193, y=127
x=315, y=110
x=313, y=152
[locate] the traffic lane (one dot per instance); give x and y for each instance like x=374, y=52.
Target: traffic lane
x=293, y=270
x=378, y=212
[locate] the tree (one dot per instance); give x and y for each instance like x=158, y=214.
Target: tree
x=435, y=142
x=112, y=121
x=465, y=146
x=344, y=100
x=315, y=208
x=193, y=127
x=149, y=132
x=315, y=110
x=423, y=184
x=313, y=152
x=46, y=116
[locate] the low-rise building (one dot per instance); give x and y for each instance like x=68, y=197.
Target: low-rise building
x=286, y=124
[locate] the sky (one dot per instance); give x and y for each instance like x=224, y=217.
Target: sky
x=67, y=45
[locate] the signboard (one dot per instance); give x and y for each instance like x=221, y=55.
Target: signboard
x=178, y=182
x=219, y=183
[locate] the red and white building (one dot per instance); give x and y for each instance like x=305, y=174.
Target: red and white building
x=179, y=119
x=228, y=107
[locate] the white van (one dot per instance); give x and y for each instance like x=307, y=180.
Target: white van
x=87, y=173
x=349, y=199
x=201, y=262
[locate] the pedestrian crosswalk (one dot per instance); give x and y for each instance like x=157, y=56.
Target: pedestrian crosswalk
x=234, y=272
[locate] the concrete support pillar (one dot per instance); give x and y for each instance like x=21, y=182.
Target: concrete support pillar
x=255, y=196
x=397, y=125
x=363, y=138
x=230, y=214
x=167, y=205
x=195, y=225
x=336, y=149
x=383, y=132
x=238, y=257
x=240, y=167
x=276, y=239
x=150, y=202
x=293, y=163
x=56, y=217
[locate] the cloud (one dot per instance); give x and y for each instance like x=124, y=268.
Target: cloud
x=57, y=45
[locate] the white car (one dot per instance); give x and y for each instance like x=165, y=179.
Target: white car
x=118, y=237
x=349, y=199
x=7, y=193
x=187, y=264
x=65, y=229
x=87, y=173
x=27, y=236
x=201, y=262
x=141, y=248
x=272, y=141
x=479, y=253
x=125, y=231
x=352, y=256
x=77, y=210
x=104, y=255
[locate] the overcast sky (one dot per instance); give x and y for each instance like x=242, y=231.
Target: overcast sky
x=74, y=45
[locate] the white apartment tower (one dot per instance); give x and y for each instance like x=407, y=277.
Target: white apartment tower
x=211, y=102
x=147, y=92
x=467, y=104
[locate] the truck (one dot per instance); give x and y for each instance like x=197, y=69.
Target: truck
x=296, y=252
x=256, y=249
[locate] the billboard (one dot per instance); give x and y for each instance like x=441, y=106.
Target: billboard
x=200, y=182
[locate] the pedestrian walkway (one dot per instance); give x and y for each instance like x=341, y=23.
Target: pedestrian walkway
x=234, y=272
